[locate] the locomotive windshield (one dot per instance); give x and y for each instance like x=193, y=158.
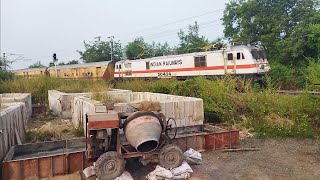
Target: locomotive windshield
x=258, y=54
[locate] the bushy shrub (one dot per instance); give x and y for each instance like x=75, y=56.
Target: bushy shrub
x=313, y=74
x=6, y=75
x=267, y=112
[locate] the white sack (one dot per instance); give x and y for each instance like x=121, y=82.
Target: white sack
x=125, y=176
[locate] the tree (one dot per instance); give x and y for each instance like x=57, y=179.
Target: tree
x=100, y=51
x=140, y=49
x=287, y=29
x=158, y=49
x=36, y=65
x=73, y=62
x=191, y=41
x=137, y=49
x=51, y=64
x=5, y=75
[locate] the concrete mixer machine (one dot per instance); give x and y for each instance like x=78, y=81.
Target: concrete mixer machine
x=112, y=137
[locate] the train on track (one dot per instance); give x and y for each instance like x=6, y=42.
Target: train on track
x=248, y=61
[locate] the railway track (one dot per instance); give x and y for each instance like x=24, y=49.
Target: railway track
x=298, y=92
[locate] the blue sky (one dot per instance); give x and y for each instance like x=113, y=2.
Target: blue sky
x=38, y=28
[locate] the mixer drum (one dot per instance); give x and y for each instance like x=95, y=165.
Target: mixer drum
x=143, y=131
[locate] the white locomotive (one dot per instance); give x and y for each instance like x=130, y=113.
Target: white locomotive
x=233, y=60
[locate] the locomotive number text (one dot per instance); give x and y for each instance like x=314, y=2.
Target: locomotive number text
x=163, y=74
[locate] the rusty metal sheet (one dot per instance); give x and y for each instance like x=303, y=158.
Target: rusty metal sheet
x=29, y=169
x=11, y=170
x=22, y=163
x=45, y=169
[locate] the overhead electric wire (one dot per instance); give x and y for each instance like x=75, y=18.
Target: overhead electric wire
x=174, y=22
x=174, y=33
x=177, y=30
x=157, y=35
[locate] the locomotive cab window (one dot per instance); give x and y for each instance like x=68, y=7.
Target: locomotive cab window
x=238, y=56
x=200, y=61
x=230, y=56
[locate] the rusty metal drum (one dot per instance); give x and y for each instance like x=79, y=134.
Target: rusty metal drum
x=143, y=131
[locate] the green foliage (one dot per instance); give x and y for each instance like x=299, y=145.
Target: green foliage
x=289, y=30
x=140, y=49
x=137, y=49
x=191, y=41
x=5, y=76
x=266, y=112
x=100, y=51
x=105, y=98
x=287, y=77
x=63, y=63
x=73, y=62
x=313, y=75
x=37, y=65
x=51, y=64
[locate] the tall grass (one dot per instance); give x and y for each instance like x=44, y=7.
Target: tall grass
x=39, y=86
x=267, y=112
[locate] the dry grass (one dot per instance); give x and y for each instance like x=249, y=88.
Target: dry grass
x=50, y=128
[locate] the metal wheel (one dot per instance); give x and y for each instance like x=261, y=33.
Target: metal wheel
x=109, y=165
x=170, y=132
x=170, y=156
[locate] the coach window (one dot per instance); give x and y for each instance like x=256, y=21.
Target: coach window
x=147, y=65
x=200, y=61
x=230, y=56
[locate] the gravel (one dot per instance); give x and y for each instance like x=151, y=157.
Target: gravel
x=289, y=158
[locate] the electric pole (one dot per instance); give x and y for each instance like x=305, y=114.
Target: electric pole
x=111, y=47
x=0, y=29
x=4, y=61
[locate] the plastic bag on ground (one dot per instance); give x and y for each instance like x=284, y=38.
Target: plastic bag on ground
x=125, y=176
x=181, y=169
x=193, y=156
x=181, y=172
x=160, y=173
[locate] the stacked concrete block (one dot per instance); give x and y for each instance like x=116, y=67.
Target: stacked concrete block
x=13, y=119
x=61, y=103
x=82, y=106
x=19, y=97
x=187, y=111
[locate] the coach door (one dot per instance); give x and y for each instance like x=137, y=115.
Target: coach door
x=230, y=64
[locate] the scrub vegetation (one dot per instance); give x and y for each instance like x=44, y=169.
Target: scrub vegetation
x=265, y=112
x=39, y=86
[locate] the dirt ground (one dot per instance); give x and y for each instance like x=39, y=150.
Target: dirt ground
x=276, y=159
x=289, y=158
